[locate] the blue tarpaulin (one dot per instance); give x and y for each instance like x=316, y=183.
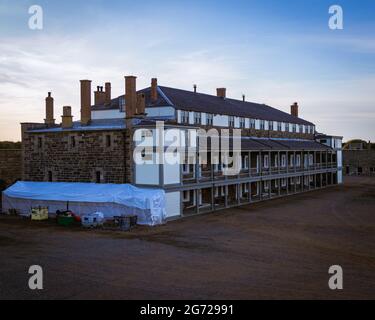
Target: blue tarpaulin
x=148, y=204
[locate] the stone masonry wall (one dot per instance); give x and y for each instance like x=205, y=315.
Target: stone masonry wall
x=355, y=159
x=10, y=165
x=75, y=156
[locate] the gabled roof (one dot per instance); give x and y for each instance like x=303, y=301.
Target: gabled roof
x=200, y=102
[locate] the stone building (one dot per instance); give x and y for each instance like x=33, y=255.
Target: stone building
x=279, y=154
x=359, y=158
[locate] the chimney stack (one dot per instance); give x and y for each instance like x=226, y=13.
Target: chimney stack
x=99, y=96
x=154, y=89
x=141, y=104
x=85, y=102
x=130, y=96
x=243, y=98
x=294, y=109
x=107, y=93
x=221, y=92
x=67, y=118
x=49, y=120
x=195, y=88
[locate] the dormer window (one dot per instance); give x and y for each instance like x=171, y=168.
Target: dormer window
x=262, y=125
x=231, y=121
x=197, y=118
x=209, y=119
x=185, y=117
x=242, y=123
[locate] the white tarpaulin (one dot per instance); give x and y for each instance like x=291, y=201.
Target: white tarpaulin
x=85, y=198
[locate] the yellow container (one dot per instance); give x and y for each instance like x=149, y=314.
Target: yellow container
x=40, y=213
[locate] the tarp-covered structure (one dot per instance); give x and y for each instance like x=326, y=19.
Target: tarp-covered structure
x=84, y=198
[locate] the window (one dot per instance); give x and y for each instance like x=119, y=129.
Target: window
x=291, y=162
x=108, y=140
x=73, y=141
x=270, y=125
x=306, y=129
x=223, y=191
x=294, y=127
x=50, y=176
x=231, y=121
x=265, y=164
x=287, y=127
x=300, y=130
x=197, y=118
x=276, y=161
x=186, y=196
x=278, y=126
x=292, y=181
x=311, y=159
x=40, y=142
x=266, y=185
x=209, y=119
x=262, y=125
x=311, y=178
x=242, y=123
x=245, y=162
x=216, y=192
x=185, y=168
x=283, y=182
x=298, y=180
x=298, y=160
x=283, y=160
x=98, y=177
x=252, y=123
x=185, y=117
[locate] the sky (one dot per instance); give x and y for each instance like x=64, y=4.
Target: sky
x=274, y=52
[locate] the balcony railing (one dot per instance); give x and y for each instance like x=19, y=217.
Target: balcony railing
x=210, y=173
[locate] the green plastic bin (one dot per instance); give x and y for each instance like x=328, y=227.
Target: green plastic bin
x=65, y=221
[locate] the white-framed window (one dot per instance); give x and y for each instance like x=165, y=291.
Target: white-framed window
x=292, y=181
x=306, y=181
x=291, y=162
x=283, y=160
x=242, y=123
x=184, y=116
x=276, y=161
x=270, y=125
x=298, y=180
x=197, y=118
x=311, y=159
x=294, y=127
x=283, y=182
x=306, y=160
x=245, y=162
x=185, y=168
x=209, y=119
x=276, y=183
x=252, y=123
x=278, y=126
x=300, y=129
x=217, y=192
x=244, y=188
x=265, y=161
x=286, y=126
x=262, y=125
x=186, y=196
x=266, y=185
x=231, y=121
x=298, y=160
x=311, y=178
x=223, y=192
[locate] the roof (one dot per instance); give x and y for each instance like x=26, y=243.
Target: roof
x=268, y=144
x=200, y=102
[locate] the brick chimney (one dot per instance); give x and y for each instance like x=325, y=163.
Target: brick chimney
x=130, y=96
x=67, y=118
x=85, y=102
x=107, y=93
x=154, y=89
x=221, y=92
x=99, y=96
x=49, y=120
x=141, y=104
x=294, y=109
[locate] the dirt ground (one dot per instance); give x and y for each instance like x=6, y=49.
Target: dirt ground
x=280, y=249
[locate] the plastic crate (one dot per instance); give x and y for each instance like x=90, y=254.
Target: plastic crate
x=65, y=220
